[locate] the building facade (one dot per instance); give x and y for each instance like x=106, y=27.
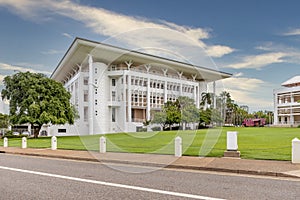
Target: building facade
x=116, y=90
x=287, y=103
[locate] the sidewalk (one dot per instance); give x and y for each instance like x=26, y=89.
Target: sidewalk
x=233, y=165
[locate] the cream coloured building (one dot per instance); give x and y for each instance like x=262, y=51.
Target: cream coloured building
x=287, y=103
x=116, y=90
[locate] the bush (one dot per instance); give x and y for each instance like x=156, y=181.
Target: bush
x=156, y=128
x=141, y=129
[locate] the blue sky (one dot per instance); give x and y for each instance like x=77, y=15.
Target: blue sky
x=257, y=41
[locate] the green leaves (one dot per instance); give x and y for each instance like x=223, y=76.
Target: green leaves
x=37, y=99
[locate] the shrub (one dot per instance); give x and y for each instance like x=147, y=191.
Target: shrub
x=156, y=128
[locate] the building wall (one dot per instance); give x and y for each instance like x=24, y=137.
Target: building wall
x=101, y=93
x=286, y=106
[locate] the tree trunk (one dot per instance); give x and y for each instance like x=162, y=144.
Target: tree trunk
x=36, y=130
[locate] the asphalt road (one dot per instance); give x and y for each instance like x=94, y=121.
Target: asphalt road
x=25, y=177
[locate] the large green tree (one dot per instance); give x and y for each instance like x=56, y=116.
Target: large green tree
x=169, y=115
x=189, y=111
x=37, y=99
x=4, y=120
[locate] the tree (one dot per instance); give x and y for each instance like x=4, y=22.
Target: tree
x=4, y=120
x=169, y=115
x=206, y=99
x=173, y=113
x=189, y=111
x=159, y=118
x=37, y=99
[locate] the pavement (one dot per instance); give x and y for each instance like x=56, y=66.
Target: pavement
x=224, y=164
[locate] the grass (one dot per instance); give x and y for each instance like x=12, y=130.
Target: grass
x=254, y=143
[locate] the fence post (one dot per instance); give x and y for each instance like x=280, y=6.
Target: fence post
x=24, y=142
x=295, y=150
x=5, y=142
x=178, y=146
x=53, y=143
x=102, y=144
x=232, y=145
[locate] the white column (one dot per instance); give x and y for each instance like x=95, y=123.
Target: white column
x=295, y=150
x=91, y=97
x=124, y=101
x=180, y=89
x=198, y=95
x=232, y=141
x=292, y=119
x=282, y=120
x=24, y=142
x=53, y=143
x=129, y=98
x=29, y=128
x=178, y=146
x=148, y=108
x=166, y=92
x=275, y=97
x=5, y=142
x=214, y=93
x=196, y=99
x=102, y=145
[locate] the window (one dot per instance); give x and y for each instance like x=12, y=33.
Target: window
x=113, y=82
x=62, y=130
x=96, y=112
x=85, y=96
x=96, y=81
x=85, y=113
x=85, y=81
x=96, y=91
x=96, y=70
x=96, y=102
x=113, y=114
x=113, y=95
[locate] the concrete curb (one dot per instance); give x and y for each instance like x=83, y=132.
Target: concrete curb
x=170, y=166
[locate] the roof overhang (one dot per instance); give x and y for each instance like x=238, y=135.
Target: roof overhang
x=78, y=53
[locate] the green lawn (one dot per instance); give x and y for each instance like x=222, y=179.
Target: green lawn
x=254, y=143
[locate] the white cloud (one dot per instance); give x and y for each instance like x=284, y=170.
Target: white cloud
x=291, y=32
x=16, y=68
x=243, y=83
x=67, y=35
x=111, y=24
x=259, y=61
x=218, y=50
x=52, y=51
x=247, y=91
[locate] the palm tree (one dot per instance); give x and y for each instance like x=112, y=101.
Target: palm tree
x=206, y=99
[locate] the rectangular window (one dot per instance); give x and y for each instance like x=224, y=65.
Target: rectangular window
x=62, y=130
x=85, y=113
x=113, y=95
x=113, y=82
x=113, y=114
x=85, y=96
x=85, y=80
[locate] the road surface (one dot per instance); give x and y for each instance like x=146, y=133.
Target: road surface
x=26, y=177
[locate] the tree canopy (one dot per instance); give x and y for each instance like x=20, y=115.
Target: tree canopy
x=37, y=99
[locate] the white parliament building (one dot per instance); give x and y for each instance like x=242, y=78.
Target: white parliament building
x=287, y=103
x=116, y=90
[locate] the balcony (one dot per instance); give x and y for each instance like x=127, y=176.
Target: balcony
x=114, y=102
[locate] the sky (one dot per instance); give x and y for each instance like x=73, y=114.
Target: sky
x=256, y=41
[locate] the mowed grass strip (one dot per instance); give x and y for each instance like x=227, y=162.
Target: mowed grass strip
x=254, y=143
